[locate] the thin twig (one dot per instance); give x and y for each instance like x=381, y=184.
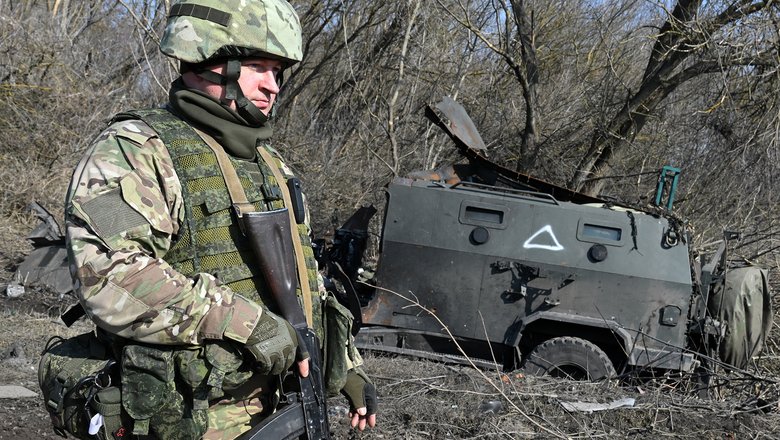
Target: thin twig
x=557, y=434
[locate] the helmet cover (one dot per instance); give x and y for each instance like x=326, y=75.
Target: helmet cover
x=202, y=30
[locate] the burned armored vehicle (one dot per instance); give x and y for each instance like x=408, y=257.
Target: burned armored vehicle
x=477, y=260
x=481, y=261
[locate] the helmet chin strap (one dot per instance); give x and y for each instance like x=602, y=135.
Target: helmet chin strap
x=233, y=92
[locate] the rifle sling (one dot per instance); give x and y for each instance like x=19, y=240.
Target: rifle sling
x=242, y=205
x=300, y=262
x=236, y=191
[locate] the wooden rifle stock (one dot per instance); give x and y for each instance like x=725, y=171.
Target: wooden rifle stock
x=270, y=236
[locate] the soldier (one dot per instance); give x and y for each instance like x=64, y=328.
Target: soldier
x=158, y=259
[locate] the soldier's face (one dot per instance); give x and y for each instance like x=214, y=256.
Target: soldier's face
x=258, y=81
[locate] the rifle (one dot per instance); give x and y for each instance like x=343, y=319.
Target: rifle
x=302, y=412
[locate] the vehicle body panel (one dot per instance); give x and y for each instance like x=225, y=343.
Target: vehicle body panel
x=489, y=262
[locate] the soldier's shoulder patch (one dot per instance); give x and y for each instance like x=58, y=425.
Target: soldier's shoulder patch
x=134, y=130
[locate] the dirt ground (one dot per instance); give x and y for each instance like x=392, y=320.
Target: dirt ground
x=425, y=400
x=27, y=323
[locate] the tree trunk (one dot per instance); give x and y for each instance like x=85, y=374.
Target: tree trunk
x=672, y=47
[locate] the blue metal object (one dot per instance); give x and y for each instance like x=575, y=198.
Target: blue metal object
x=667, y=172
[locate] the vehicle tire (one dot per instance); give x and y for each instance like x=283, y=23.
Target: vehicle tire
x=569, y=357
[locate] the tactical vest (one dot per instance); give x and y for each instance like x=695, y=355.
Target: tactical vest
x=209, y=239
x=166, y=390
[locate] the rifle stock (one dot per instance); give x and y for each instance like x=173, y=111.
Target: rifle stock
x=270, y=235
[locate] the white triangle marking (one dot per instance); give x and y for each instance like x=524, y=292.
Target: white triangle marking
x=545, y=230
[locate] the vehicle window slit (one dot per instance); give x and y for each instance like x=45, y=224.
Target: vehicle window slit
x=474, y=213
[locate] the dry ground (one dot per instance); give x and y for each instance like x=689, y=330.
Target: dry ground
x=425, y=400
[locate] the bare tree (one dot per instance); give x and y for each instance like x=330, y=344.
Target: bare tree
x=692, y=42
x=65, y=67
x=595, y=95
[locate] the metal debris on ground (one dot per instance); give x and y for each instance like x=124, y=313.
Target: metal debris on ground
x=491, y=407
x=14, y=290
x=589, y=407
x=47, y=263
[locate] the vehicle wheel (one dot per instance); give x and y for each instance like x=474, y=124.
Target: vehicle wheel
x=569, y=357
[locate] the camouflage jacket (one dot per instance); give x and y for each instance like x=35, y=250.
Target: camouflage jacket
x=122, y=280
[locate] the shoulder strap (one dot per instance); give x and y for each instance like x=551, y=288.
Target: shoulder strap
x=242, y=206
x=300, y=263
x=237, y=195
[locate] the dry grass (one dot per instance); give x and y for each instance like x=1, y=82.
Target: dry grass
x=25, y=326
x=425, y=400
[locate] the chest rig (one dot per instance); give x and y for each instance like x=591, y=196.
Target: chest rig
x=210, y=239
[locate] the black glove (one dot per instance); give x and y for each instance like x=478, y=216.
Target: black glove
x=273, y=344
x=360, y=392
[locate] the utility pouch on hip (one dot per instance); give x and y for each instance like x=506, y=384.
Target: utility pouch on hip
x=78, y=380
x=226, y=365
x=108, y=403
x=147, y=384
x=341, y=355
x=151, y=397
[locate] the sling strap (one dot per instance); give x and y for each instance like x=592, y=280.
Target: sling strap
x=237, y=195
x=242, y=206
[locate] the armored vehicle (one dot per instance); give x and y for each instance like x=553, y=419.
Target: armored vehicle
x=484, y=265
x=485, y=262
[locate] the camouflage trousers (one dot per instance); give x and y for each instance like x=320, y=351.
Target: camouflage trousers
x=241, y=408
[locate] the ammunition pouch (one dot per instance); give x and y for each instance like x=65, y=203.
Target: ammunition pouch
x=340, y=353
x=150, y=394
x=79, y=380
x=163, y=390
x=166, y=390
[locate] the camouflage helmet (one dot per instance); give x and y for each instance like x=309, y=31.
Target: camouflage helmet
x=202, y=30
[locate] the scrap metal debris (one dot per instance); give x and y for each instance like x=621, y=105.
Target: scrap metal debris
x=47, y=264
x=14, y=290
x=589, y=407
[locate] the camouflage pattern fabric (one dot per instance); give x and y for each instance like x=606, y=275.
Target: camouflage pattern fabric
x=241, y=408
x=742, y=300
x=152, y=398
x=125, y=206
x=205, y=242
x=76, y=376
x=198, y=30
x=340, y=354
